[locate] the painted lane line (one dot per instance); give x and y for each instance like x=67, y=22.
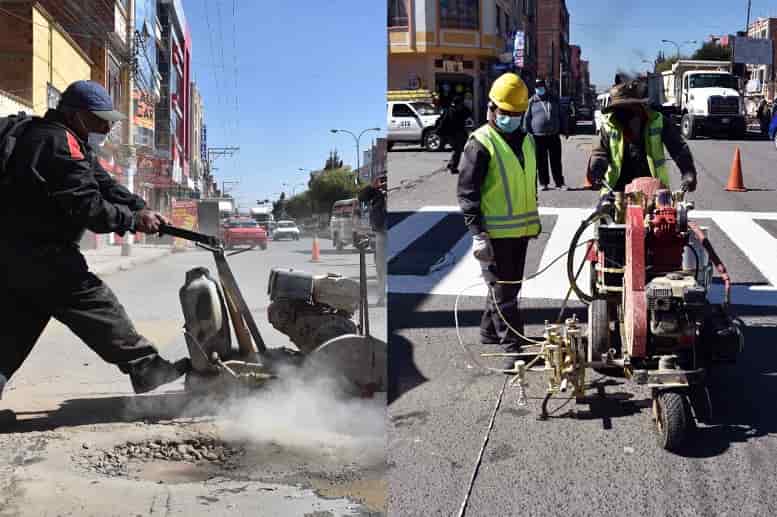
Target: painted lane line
x=410, y=229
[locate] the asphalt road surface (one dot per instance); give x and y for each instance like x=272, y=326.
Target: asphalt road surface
x=304, y=452
x=606, y=460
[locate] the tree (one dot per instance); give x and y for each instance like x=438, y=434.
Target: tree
x=333, y=162
x=330, y=186
x=667, y=64
x=713, y=52
x=278, y=206
x=298, y=207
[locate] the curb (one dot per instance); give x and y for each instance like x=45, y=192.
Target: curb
x=109, y=269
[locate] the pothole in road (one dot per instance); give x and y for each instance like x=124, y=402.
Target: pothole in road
x=164, y=461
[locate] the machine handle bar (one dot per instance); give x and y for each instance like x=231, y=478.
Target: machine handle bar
x=189, y=235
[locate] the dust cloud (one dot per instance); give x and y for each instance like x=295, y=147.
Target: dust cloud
x=309, y=415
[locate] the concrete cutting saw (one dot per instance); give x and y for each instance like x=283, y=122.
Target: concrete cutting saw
x=314, y=310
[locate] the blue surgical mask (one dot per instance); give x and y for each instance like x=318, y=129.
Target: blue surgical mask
x=507, y=123
x=540, y=91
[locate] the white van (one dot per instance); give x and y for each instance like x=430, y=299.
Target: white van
x=602, y=101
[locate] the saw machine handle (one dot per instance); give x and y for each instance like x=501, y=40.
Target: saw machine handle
x=189, y=235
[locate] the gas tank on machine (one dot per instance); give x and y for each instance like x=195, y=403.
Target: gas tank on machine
x=207, y=322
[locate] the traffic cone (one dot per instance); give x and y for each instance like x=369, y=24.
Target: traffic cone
x=316, y=252
x=587, y=185
x=735, y=183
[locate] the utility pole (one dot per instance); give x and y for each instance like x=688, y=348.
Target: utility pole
x=747, y=25
x=126, y=243
x=219, y=152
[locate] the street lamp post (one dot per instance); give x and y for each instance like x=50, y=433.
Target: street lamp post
x=678, y=45
x=357, y=139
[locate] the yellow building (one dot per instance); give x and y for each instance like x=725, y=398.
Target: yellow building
x=38, y=59
x=450, y=46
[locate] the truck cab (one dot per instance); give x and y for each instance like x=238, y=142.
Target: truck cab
x=706, y=97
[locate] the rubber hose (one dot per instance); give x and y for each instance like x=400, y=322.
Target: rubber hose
x=584, y=297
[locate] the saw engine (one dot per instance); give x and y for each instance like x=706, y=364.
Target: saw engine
x=311, y=309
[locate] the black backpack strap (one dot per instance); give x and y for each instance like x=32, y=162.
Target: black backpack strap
x=9, y=133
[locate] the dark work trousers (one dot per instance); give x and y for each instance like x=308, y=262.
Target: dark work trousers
x=509, y=261
x=38, y=284
x=549, y=147
x=458, y=141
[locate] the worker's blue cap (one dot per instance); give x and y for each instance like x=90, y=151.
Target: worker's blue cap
x=90, y=96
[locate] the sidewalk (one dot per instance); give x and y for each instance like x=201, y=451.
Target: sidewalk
x=108, y=259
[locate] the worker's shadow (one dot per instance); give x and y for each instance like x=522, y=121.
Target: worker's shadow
x=742, y=397
x=108, y=410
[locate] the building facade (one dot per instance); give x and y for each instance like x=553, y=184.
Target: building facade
x=553, y=45
x=197, y=152
x=455, y=47
x=173, y=108
x=39, y=58
x=762, y=77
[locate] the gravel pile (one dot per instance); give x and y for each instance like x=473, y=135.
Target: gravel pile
x=114, y=462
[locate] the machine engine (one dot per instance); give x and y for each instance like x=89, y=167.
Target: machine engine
x=311, y=309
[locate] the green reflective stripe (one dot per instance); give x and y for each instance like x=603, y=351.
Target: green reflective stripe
x=523, y=224
x=660, y=162
x=505, y=183
x=655, y=131
x=511, y=217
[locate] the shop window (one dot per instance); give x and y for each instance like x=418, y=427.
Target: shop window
x=438, y=63
x=460, y=14
x=397, y=13
x=468, y=65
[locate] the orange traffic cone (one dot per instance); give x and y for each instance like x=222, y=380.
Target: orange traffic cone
x=735, y=183
x=587, y=185
x=316, y=252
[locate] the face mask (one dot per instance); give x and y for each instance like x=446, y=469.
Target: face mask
x=97, y=140
x=540, y=91
x=507, y=123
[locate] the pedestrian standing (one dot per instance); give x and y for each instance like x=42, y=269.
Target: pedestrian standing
x=55, y=190
x=497, y=193
x=375, y=195
x=545, y=121
x=453, y=129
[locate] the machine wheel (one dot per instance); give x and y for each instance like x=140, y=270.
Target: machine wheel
x=598, y=329
x=432, y=141
x=686, y=126
x=674, y=420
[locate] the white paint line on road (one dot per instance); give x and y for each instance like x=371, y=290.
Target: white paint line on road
x=758, y=244
x=407, y=231
x=465, y=272
x=553, y=283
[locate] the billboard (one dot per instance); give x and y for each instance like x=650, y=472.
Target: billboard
x=184, y=215
x=752, y=51
x=518, y=49
x=144, y=110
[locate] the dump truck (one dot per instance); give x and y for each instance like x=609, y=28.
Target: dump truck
x=703, y=96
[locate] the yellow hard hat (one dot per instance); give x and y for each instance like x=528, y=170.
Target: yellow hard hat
x=509, y=93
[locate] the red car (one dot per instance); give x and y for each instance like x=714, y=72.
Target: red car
x=244, y=231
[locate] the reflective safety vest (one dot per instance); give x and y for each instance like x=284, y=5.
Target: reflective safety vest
x=654, y=149
x=508, y=196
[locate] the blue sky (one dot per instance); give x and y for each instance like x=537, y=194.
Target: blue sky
x=300, y=72
x=615, y=33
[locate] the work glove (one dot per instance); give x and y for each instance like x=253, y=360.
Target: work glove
x=481, y=248
x=688, y=183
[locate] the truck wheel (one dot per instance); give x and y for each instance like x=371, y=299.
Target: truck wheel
x=263, y=246
x=686, y=126
x=432, y=141
x=674, y=421
x=389, y=146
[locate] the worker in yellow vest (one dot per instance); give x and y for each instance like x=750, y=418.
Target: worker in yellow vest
x=632, y=141
x=497, y=193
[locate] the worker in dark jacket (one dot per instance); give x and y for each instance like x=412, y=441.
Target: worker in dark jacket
x=546, y=121
x=453, y=129
x=497, y=193
x=55, y=190
x=632, y=143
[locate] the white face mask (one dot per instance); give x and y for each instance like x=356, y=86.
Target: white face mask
x=97, y=140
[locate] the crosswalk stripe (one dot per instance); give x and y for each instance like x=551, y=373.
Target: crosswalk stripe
x=459, y=269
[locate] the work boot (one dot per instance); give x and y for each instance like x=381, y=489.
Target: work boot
x=509, y=362
x=544, y=187
x=489, y=339
x=157, y=373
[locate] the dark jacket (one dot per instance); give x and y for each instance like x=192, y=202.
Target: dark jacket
x=453, y=120
x=377, y=201
x=473, y=168
x=635, y=163
x=545, y=117
x=57, y=189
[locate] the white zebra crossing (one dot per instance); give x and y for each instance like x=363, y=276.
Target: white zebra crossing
x=460, y=269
